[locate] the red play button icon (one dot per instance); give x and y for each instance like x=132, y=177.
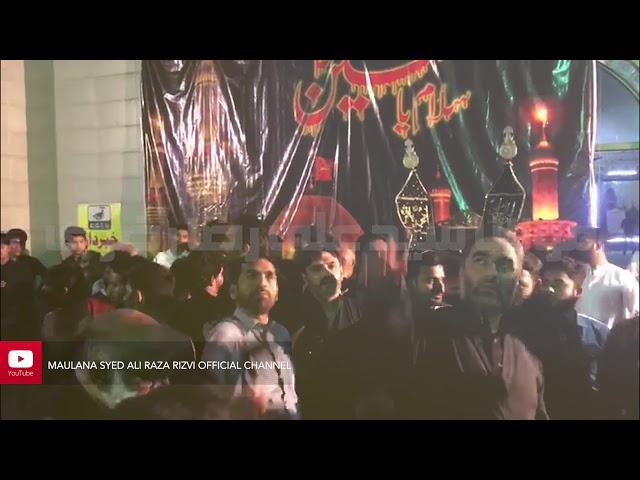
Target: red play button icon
x=20, y=359
x=20, y=362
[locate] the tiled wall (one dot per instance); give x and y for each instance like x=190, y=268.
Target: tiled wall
x=13, y=148
x=41, y=146
x=99, y=146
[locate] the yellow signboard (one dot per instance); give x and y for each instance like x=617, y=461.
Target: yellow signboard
x=102, y=223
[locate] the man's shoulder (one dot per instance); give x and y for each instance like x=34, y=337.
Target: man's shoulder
x=36, y=265
x=595, y=333
x=587, y=321
x=530, y=323
x=519, y=315
x=28, y=259
x=280, y=331
x=179, y=264
x=447, y=321
x=447, y=313
x=621, y=274
x=225, y=330
x=353, y=306
x=18, y=268
x=526, y=347
x=21, y=262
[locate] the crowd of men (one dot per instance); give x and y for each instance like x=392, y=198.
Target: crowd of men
x=340, y=331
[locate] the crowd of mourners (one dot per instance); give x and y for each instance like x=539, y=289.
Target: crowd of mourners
x=361, y=330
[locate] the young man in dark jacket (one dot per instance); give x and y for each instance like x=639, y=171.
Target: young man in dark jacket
x=569, y=344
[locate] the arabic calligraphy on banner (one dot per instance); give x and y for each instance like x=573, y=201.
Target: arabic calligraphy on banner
x=409, y=102
x=102, y=223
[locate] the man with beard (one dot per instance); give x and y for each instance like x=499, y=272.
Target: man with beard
x=426, y=282
x=326, y=346
x=469, y=364
x=167, y=257
x=248, y=350
x=568, y=343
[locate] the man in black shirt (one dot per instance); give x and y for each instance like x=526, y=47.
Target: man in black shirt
x=18, y=242
x=326, y=348
x=205, y=274
x=18, y=313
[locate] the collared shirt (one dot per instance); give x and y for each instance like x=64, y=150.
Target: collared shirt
x=593, y=334
x=167, y=257
x=244, y=352
x=609, y=293
x=99, y=287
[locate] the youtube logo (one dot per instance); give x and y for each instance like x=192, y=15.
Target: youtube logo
x=20, y=362
x=21, y=359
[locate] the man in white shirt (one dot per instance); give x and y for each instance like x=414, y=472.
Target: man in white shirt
x=249, y=350
x=609, y=293
x=634, y=264
x=167, y=257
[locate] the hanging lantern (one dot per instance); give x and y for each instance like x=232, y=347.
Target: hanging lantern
x=413, y=203
x=504, y=203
